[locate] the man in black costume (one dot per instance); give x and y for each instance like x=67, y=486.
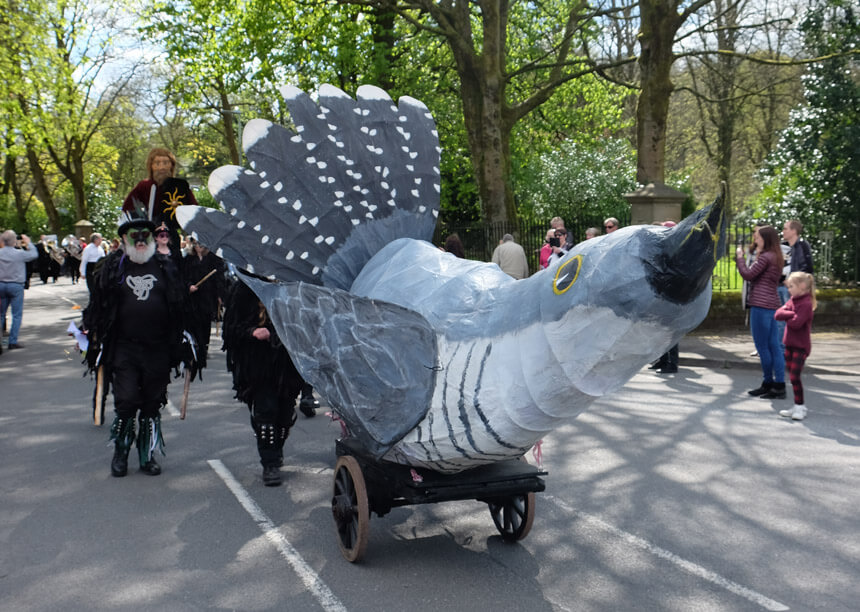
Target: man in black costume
x=204, y=274
x=134, y=323
x=264, y=376
x=43, y=261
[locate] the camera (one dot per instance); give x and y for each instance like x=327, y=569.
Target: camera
x=555, y=241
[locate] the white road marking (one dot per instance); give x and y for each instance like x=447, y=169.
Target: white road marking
x=688, y=566
x=305, y=572
x=640, y=543
x=171, y=409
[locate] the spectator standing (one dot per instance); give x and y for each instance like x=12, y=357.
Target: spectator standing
x=557, y=223
x=797, y=315
x=610, y=225
x=591, y=232
x=560, y=246
x=798, y=257
x=90, y=256
x=454, y=245
x=511, y=258
x=763, y=300
x=546, y=249
x=13, y=275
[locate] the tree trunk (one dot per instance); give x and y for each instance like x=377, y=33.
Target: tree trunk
x=227, y=121
x=42, y=191
x=76, y=176
x=660, y=22
x=10, y=183
x=482, y=91
x=383, y=21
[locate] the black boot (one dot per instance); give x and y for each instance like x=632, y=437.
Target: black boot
x=764, y=388
x=148, y=440
x=122, y=435
x=119, y=463
x=270, y=446
x=308, y=404
x=777, y=391
x=271, y=476
x=670, y=365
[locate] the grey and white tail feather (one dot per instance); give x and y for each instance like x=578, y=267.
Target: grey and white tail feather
x=320, y=199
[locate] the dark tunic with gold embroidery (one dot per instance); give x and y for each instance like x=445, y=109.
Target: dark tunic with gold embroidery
x=170, y=194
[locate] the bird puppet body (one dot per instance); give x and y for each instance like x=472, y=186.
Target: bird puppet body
x=432, y=360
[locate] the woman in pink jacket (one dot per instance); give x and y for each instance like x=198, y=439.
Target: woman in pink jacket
x=764, y=275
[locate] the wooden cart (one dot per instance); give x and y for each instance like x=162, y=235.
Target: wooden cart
x=363, y=485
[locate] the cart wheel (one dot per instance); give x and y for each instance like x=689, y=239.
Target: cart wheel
x=513, y=515
x=350, y=508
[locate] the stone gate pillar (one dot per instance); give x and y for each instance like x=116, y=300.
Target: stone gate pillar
x=655, y=203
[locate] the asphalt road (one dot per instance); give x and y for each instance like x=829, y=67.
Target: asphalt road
x=672, y=494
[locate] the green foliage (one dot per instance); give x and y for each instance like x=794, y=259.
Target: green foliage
x=204, y=198
x=34, y=218
x=813, y=173
x=104, y=209
x=579, y=180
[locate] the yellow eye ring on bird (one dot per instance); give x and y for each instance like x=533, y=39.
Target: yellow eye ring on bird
x=566, y=275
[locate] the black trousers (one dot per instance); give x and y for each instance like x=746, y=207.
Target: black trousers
x=91, y=267
x=140, y=377
x=272, y=416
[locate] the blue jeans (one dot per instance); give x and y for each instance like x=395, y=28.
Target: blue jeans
x=782, y=292
x=764, y=333
x=12, y=293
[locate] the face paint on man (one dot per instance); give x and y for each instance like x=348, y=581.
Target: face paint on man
x=139, y=245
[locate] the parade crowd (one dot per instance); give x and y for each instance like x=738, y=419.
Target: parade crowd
x=155, y=294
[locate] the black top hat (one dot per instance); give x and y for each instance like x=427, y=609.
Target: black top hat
x=132, y=220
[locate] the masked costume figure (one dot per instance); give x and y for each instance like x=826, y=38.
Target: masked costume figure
x=158, y=196
x=205, y=296
x=135, y=322
x=264, y=376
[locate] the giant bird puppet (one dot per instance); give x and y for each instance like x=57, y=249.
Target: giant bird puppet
x=430, y=360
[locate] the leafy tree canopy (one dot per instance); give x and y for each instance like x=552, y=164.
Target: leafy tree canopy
x=813, y=173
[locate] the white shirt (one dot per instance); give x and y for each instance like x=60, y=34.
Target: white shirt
x=91, y=254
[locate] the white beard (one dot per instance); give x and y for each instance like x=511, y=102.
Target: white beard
x=139, y=257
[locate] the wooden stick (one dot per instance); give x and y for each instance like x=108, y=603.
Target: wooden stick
x=98, y=400
x=183, y=405
x=202, y=280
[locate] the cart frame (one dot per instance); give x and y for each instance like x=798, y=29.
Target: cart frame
x=363, y=484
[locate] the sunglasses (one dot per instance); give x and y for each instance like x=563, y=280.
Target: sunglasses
x=140, y=235
x=162, y=235
x=610, y=226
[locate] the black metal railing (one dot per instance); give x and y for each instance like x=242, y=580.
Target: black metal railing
x=479, y=240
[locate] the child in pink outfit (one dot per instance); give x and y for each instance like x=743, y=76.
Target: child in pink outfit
x=797, y=314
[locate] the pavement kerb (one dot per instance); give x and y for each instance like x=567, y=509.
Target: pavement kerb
x=832, y=351
x=730, y=364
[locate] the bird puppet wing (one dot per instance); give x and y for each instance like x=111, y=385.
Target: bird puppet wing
x=320, y=199
x=373, y=360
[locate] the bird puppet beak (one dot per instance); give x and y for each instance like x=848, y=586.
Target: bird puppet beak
x=686, y=254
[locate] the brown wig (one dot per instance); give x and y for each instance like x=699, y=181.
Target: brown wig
x=160, y=152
